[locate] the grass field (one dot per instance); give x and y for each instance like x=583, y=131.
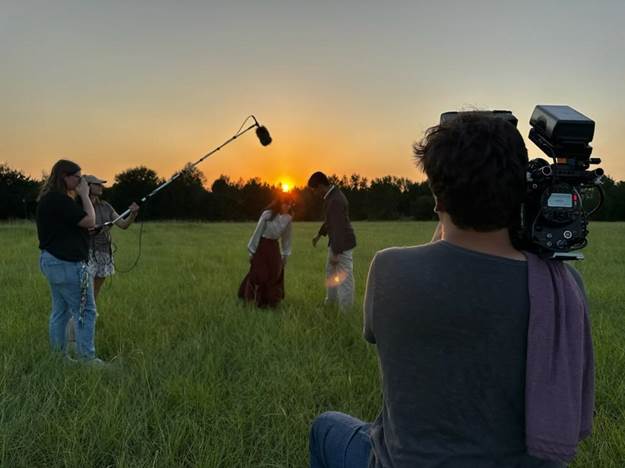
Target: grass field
x=203, y=380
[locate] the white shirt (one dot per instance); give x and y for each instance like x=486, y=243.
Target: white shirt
x=279, y=227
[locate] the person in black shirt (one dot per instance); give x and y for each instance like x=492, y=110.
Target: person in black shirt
x=62, y=229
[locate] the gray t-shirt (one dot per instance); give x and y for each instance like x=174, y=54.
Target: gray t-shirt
x=104, y=212
x=450, y=326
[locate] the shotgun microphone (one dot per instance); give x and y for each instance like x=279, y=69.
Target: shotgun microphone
x=263, y=135
x=261, y=132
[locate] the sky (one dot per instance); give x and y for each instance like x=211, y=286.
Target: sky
x=343, y=86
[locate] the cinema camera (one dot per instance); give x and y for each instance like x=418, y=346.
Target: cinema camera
x=553, y=222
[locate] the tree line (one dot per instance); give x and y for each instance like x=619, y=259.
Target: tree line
x=188, y=198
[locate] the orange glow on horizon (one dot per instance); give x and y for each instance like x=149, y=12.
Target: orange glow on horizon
x=286, y=184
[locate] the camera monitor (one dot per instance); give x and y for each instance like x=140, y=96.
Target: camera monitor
x=562, y=132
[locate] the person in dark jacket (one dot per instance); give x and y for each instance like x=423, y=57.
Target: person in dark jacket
x=341, y=242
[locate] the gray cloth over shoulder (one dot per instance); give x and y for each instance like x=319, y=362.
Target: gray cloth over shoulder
x=559, y=385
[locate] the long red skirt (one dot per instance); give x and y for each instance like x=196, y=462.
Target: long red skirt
x=264, y=284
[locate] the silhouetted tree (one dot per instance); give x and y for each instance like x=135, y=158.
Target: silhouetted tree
x=132, y=185
x=382, y=198
x=227, y=199
x=420, y=201
x=255, y=196
x=18, y=193
x=356, y=192
x=308, y=206
x=618, y=212
x=422, y=208
x=185, y=197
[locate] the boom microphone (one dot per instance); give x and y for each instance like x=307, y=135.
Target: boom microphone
x=261, y=132
x=263, y=135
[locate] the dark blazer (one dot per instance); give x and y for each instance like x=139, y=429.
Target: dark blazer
x=337, y=225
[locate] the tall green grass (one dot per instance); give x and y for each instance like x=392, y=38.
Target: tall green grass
x=202, y=380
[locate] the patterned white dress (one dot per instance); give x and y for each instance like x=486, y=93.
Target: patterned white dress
x=101, y=263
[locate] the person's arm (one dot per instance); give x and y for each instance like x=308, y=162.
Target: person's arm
x=126, y=222
x=438, y=232
x=323, y=231
x=286, y=241
x=88, y=221
x=252, y=245
x=369, y=304
x=336, y=226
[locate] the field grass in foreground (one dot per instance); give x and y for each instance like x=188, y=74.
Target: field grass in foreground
x=203, y=380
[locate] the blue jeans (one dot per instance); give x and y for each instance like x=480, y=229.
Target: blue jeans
x=65, y=279
x=338, y=440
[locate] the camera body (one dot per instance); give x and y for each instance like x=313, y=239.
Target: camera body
x=553, y=221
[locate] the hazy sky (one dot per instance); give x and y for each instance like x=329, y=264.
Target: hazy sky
x=343, y=86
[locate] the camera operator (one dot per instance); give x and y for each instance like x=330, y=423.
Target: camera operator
x=62, y=228
x=471, y=375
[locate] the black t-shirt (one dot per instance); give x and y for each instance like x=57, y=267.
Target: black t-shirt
x=58, y=216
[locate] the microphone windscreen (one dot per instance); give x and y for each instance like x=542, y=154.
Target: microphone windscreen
x=263, y=135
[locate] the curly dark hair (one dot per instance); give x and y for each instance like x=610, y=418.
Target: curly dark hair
x=476, y=167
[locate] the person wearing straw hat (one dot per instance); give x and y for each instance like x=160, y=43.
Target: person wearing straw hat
x=100, y=259
x=101, y=263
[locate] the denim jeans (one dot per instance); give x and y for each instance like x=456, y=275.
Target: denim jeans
x=338, y=440
x=65, y=280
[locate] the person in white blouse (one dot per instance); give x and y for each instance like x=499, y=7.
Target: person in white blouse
x=268, y=250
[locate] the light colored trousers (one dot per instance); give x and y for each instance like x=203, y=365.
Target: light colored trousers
x=340, y=280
